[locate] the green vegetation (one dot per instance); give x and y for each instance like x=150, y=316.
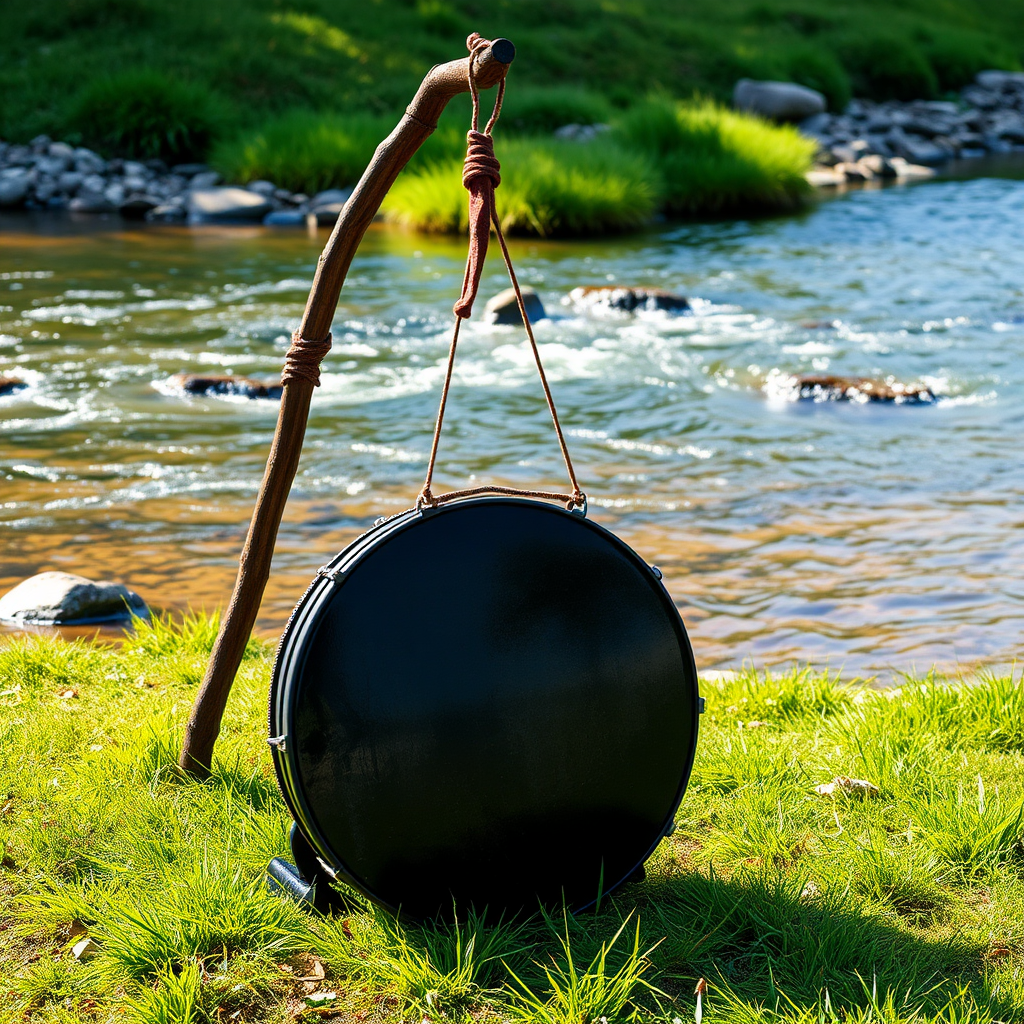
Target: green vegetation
x=797, y=908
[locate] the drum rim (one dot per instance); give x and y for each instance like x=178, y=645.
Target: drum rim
x=305, y=619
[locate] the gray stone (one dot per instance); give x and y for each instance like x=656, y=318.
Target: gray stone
x=285, y=219
x=53, y=598
x=263, y=188
x=629, y=300
x=921, y=151
x=999, y=80
x=89, y=162
x=781, y=101
x=70, y=181
x=114, y=193
x=210, y=205
x=52, y=165
x=13, y=190
x=137, y=205
x=168, y=213
x=817, y=125
x=62, y=150
x=284, y=196
x=134, y=183
x=878, y=165
x=245, y=387
x=40, y=144
x=503, y=308
x=135, y=169
x=189, y=170
x=205, y=179
x=93, y=183
x=983, y=99
x=18, y=156
x=91, y=202
x=326, y=206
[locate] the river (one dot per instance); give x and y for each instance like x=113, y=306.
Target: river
x=870, y=538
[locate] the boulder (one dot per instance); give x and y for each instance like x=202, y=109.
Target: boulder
x=1000, y=80
x=326, y=206
x=205, y=179
x=91, y=202
x=215, y=205
x=825, y=177
x=503, y=308
x=9, y=385
x=136, y=206
x=167, y=213
x=781, y=101
x=244, y=387
x=920, y=151
x=14, y=189
x=831, y=388
x=262, y=188
x=629, y=300
x=53, y=598
x=285, y=219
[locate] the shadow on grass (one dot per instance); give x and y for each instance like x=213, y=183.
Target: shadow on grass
x=764, y=935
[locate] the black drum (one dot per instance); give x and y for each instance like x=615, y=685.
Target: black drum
x=490, y=702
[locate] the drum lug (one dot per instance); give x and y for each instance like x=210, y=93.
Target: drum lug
x=657, y=572
x=330, y=574
x=700, y=705
x=277, y=742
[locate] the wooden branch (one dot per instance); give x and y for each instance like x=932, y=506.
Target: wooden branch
x=440, y=85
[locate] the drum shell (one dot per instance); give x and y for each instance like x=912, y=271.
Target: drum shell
x=295, y=665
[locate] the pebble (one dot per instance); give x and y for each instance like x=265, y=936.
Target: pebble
x=780, y=101
x=244, y=387
x=503, y=308
x=214, y=205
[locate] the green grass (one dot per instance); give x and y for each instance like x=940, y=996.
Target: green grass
x=798, y=909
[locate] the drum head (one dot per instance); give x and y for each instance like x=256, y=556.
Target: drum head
x=490, y=703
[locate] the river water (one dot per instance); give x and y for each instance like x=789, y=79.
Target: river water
x=874, y=539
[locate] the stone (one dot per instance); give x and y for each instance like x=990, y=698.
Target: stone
x=91, y=202
x=167, y=213
x=878, y=165
x=41, y=143
x=325, y=206
x=263, y=188
x=285, y=219
x=629, y=300
x=13, y=190
x=911, y=172
x=244, y=387
x=114, y=193
x=503, y=308
x=920, y=151
x=1000, y=80
x=53, y=598
x=137, y=205
x=825, y=177
x=9, y=385
x=831, y=388
x=816, y=125
x=70, y=181
x=205, y=179
x=52, y=165
x=781, y=101
x=212, y=205
x=88, y=162
x=855, y=172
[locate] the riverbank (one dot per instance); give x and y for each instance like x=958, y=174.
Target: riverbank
x=126, y=890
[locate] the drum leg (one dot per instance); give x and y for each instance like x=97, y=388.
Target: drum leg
x=306, y=882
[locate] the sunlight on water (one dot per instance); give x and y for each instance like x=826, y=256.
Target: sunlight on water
x=874, y=538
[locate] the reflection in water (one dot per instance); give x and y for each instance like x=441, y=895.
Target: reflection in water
x=874, y=538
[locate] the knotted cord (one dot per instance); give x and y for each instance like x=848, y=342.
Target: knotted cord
x=481, y=175
x=302, y=361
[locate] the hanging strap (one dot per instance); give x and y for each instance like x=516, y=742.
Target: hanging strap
x=481, y=175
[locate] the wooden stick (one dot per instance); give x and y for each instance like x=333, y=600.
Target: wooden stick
x=440, y=85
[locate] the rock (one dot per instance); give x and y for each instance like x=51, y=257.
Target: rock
x=920, y=151
x=911, y=172
x=212, y=205
x=88, y=162
x=825, y=177
x=1000, y=80
x=168, y=213
x=503, y=308
x=285, y=219
x=114, y=193
x=831, y=388
x=41, y=144
x=91, y=202
x=781, y=101
x=14, y=189
x=629, y=299
x=70, y=181
x=52, y=165
x=9, y=385
x=581, y=132
x=326, y=206
x=85, y=949
x=263, y=188
x=816, y=125
x=245, y=387
x=855, y=172
x=136, y=206
x=205, y=179
x=878, y=165
x=62, y=598
x=189, y=170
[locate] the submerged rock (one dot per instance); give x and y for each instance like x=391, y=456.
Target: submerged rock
x=781, y=101
x=831, y=388
x=61, y=598
x=8, y=385
x=629, y=300
x=503, y=308
x=245, y=387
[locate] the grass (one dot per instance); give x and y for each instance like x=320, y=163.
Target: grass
x=797, y=909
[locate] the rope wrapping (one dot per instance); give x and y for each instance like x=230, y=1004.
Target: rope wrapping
x=303, y=358
x=481, y=175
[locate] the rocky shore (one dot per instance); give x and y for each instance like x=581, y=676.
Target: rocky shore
x=48, y=175
x=882, y=140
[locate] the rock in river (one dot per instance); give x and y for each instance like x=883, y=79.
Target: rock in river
x=8, y=385
x=830, y=388
x=53, y=598
x=781, y=101
x=244, y=387
x=629, y=300
x=503, y=308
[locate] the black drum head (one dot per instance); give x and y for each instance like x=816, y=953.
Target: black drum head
x=489, y=703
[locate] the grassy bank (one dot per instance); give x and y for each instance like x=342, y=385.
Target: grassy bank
x=796, y=907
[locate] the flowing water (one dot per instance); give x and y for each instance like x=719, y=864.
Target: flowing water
x=876, y=539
